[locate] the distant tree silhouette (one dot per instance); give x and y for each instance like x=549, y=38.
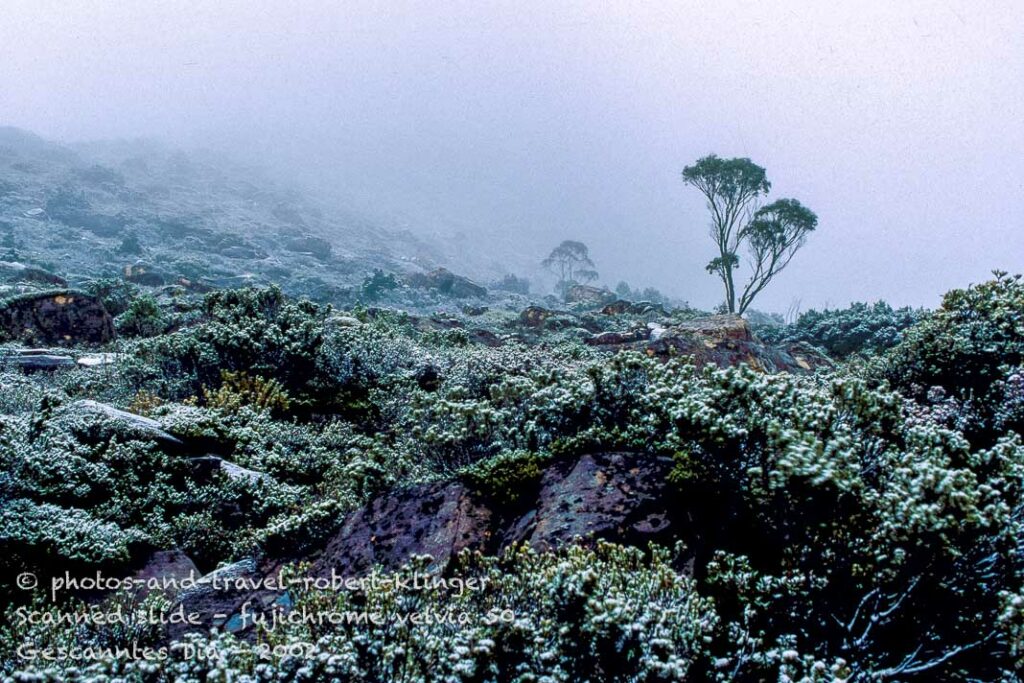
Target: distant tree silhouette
x=570, y=262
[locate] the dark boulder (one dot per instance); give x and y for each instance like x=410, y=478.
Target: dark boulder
x=317, y=247
x=142, y=274
x=62, y=317
x=535, y=317
x=619, y=497
x=619, y=339
x=18, y=272
x=35, y=360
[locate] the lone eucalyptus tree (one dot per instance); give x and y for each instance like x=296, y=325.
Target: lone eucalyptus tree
x=771, y=234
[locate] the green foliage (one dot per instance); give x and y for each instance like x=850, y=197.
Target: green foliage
x=607, y=614
x=971, y=350
x=252, y=330
x=238, y=390
x=130, y=245
x=772, y=234
x=860, y=328
x=143, y=318
x=376, y=284
x=837, y=526
x=115, y=294
x=506, y=477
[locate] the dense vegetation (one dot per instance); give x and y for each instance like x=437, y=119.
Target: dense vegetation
x=862, y=524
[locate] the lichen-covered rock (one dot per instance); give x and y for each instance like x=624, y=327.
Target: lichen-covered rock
x=616, y=339
x=610, y=496
x=62, y=317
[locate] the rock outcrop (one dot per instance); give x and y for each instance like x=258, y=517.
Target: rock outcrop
x=11, y=271
x=35, y=360
x=721, y=340
x=448, y=283
x=623, y=307
x=587, y=295
x=726, y=341
x=61, y=317
x=94, y=421
x=614, y=496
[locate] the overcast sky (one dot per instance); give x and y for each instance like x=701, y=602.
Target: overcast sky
x=900, y=123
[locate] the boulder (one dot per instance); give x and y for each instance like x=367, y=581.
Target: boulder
x=715, y=328
x=619, y=497
x=35, y=360
x=205, y=466
x=93, y=421
x=484, y=337
x=723, y=341
x=616, y=339
x=336, y=320
x=726, y=341
x=142, y=274
x=448, y=283
x=540, y=318
x=623, y=307
x=613, y=496
x=167, y=572
x=317, y=247
x=95, y=360
x=218, y=596
x=587, y=295
x=12, y=271
x=535, y=316
x=61, y=317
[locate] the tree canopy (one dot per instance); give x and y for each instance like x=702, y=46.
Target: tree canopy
x=772, y=234
x=570, y=262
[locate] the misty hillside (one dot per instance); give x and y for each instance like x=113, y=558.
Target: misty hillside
x=157, y=216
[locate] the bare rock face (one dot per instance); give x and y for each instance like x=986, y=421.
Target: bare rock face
x=439, y=520
x=62, y=317
x=165, y=571
x=614, y=496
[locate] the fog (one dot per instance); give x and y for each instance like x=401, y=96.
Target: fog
x=522, y=124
